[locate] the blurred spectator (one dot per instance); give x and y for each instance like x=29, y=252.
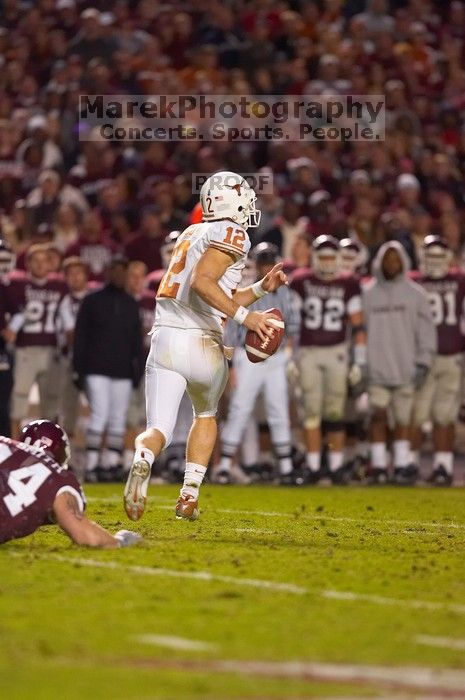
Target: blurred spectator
x=92, y=247
x=146, y=245
x=287, y=227
x=107, y=318
x=76, y=277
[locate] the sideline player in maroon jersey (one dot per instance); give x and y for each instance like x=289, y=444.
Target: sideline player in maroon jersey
x=37, y=489
x=32, y=300
x=439, y=398
x=77, y=278
x=330, y=306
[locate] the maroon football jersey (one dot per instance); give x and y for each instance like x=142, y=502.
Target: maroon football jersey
x=146, y=312
x=30, y=481
x=38, y=303
x=326, y=307
x=446, y=297
x=97, y=256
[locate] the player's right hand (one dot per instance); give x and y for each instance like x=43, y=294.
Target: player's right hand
x=126, y=538
x=261, y=322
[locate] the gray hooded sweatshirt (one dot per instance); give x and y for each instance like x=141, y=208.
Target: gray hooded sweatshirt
x=400, y=328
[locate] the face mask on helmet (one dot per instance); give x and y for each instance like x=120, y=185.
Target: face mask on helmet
x=326, y=263
x=436, y=261
x=325, y=257
x=226, y=195
x=348, y=260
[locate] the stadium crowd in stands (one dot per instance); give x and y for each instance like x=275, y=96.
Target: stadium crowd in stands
x=62, y=199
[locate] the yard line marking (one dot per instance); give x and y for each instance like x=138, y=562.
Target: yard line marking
x=431, y=682
x=280, y=514
x=342, y=519
x=175, y=573
x=170, y=642
x=403, y=602
x=444, y=642
x=348, y=596
x=252, y=529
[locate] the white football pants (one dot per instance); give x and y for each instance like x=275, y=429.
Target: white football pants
x=183, y=360
x=268, y=377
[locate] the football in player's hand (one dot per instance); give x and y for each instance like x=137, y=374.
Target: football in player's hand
x=258, y=350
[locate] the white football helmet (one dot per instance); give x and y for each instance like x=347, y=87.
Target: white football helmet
x=325, y=257
x=349, y=255
x=437, y=257
x=227, y=195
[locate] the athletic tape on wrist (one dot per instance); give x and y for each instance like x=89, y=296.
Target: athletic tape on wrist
x=240, y=315
x=258, y=290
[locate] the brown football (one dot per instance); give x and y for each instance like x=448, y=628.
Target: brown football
x=258, y=350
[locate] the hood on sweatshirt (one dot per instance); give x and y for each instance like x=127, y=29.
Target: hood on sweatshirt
x=377, y=266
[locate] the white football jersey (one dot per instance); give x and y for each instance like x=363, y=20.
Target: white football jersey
x=178, y=305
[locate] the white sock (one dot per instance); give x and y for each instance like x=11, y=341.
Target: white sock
x=144, y=453
x=414, y=456
x=350, y=452
x=193, y=477
x=127, y=459
x=313, y=460
x=444, y=459
x=225, y=464
x=378, y=455
x=285, y=465
x=335, y=461
x=401, y=449
x=363, y=449
x=92, y=458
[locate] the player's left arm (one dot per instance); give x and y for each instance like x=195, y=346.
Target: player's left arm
x=84, y=532
x=273, y=279
x=205, y=282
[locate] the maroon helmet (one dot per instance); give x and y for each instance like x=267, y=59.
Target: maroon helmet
x=325, y=257
x=7, y=258
x=49, y=437
x=350, y=251
x=437, y=256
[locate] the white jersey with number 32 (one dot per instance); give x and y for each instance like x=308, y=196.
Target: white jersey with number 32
x=178, y=306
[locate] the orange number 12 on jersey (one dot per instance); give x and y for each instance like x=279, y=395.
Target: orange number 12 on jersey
x=177, y=265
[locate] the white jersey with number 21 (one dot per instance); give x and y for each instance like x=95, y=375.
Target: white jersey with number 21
x=178, y=306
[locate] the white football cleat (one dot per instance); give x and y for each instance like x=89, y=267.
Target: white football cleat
x=135, y=491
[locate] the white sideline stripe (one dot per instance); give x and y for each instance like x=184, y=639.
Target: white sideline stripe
x=401, y=602
x=174, y=573
x=305, y=516
x=332, y=518
x=444, y=642
x=420, y=678
x=348, y=596
x=163, y=640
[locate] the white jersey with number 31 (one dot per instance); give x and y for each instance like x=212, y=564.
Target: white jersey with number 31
x=178, y=306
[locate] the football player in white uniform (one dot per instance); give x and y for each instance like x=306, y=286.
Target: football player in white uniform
x=197, y=293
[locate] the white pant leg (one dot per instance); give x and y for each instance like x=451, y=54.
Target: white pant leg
x=98, y=389
x=250, y=449
x=120, y=395
x=164, y=390
x=198, y=358
x=249, y=378
x=183, y=422
x=277, y=399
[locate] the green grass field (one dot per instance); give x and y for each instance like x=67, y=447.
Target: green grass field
x=361, y=586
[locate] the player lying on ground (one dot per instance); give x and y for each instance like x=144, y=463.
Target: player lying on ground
x=37, y=489
x=197, y=293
